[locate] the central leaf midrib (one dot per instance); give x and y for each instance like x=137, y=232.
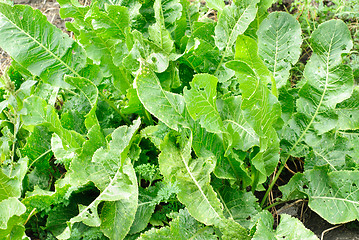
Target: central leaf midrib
x=43, y=46
x=197, y=185
x=321, y=99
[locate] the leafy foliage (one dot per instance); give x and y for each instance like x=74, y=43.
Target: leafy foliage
x=156, y=122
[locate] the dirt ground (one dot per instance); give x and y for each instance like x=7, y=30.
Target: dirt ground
x=320, y=227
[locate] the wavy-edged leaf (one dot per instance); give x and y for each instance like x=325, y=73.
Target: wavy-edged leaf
x=242, y=134
x=260, y=108
x=113, y=174
x=166, y=106
x=247, y=51
x=233, y=22
x=158, y=32
x=262, y=13
x=328, y=149
x=201, y=102
x=216, y=5
x=102, y=34
x=288, y=228
x=11, y=179
x=8, y=208
x=279, y=41
x=145, y=209
x=90, y=91
x=38, y=148
x=39, y=46
x=192, y=176
x=228, y=166
x=183, y=227
x=201, y=53
x=238, y=205
x=348, y=112
x=39, y=113
x=333, y=195
x=328, y=82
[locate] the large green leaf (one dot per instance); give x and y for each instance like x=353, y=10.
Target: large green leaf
x=166, y=106
x=242, y=134
x=145, y=209
x=158, y=32
x=39, y=113
x=328, y=82
x=279, y=41
x=113, y=174
x=233, y=22
x=289, y=228
x=201, y=102
x=348, y=112
x=238, y=205
x=261, y=110
x=39, y=46
x=201, y=53
x=8, y=208
x=89, y=90
x=334, y=195
x=102, y=34
x=247, y=51
x=38, y=148
x=328, y=149
x=192, y=176
x=11, y=179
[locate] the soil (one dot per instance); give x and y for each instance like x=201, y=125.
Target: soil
x=323, y=229
x=299, y=209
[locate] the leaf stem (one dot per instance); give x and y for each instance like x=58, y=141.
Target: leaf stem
x=273, y=182
x=39, y=158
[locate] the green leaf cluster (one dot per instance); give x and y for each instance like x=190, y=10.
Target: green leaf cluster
x=153, y=121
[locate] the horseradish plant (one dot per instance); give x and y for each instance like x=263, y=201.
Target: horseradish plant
x=153, y=121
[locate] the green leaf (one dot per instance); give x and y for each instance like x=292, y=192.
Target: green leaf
x=10, y=207
x=158, y=32
x=113, y=174
x=192, y=176
x=39, y=46
x=328, y=82
x=201, y=53
x=279, y=41
x=260, y=108
x=38, y=148
x=328, y=149
x=145, y=209
x=39, y=113
x=288, y=228
x=348, y=114
x=11, y=179
x=243, y=137
x=233, y=22
x=166, y=106
x=334, y=195
x=15, y=230
x=90, y=91
x=218, y=5
x=201, y=102
x=238, y=205
x=247, y=51
x=183, y=227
